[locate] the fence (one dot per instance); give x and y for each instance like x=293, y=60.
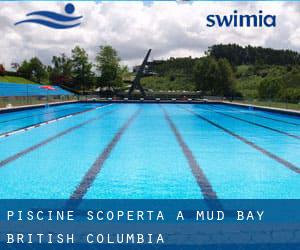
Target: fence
x=30, y=95
x=287, y=104
x=14, y=94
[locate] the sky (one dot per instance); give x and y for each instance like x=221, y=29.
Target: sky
x=171, y=29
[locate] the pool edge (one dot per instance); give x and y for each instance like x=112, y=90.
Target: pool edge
x=34, y=106
x=263, y=108
x=242, y=105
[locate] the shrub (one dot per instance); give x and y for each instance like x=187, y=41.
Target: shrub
x=290, y=95
x=172, y=78
x=269, y=88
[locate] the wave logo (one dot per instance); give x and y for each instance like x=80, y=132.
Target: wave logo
x=54, y=20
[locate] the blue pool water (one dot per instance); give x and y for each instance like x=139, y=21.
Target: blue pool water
x=149, y=151
x=17, y=120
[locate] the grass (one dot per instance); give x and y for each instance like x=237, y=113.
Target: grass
x=15, y=79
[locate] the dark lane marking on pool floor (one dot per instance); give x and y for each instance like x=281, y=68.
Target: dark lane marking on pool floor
x=36, y=125
x=50, y=139
x=273, y=119
x=94, y=170
x=38, y=114
x=280, y=160
x=266, y=117
x=256, y=124
x=201, y=179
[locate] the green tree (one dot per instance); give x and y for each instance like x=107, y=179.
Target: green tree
x=270, y=88
x=205, y=74
x=25, y=69
x=213, y=76
x=83, y=76
x=108, y=65
x=33, y=70
x=61, y=71
x=224, y=83
x=38, y=70
x=238, y=55
x=290, y=94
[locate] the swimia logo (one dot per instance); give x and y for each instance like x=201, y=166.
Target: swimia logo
x=54, y=20
x=239, y=20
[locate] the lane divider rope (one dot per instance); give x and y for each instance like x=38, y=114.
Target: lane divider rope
x=260, y=149
x=50, y=139
x=17, y=131
x=255, y=124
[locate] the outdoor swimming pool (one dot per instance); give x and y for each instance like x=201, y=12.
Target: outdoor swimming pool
x=124, y=150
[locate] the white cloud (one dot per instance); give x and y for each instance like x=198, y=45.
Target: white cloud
x=169, y=28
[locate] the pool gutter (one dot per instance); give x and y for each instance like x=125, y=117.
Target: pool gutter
x=19, y=108
x=264, y=108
